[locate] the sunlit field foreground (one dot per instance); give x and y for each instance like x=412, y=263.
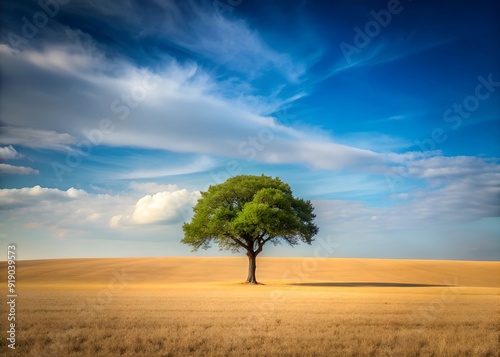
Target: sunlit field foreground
x=304, y=307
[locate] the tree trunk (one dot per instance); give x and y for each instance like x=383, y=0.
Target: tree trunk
x=252, y=257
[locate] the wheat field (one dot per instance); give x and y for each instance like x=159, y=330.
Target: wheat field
x=304, y=307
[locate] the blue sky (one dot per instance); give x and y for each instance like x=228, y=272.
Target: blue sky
x=116, y=114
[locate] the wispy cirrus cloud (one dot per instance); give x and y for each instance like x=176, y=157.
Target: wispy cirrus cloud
x=383, y=50
x=199, y=29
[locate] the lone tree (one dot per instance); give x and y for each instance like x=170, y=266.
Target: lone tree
x=247, y=212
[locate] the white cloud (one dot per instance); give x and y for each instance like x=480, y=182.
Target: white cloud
x=462, y=199
x=61, y=210
x=36, y=138
x=114, y=222
x=459, y=189
x=319, y=154
x=77, y=209
x=29, y=196
x=441, y=167
x=9, y=153
x=162, y=207
x=17, y=170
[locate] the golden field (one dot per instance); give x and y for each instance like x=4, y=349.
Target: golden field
x=304, y=307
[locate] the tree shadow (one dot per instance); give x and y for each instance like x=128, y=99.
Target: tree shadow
x=370, y=284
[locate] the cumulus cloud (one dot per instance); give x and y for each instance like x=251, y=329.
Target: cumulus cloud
x=162, y=207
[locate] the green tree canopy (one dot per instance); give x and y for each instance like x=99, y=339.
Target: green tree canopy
x=246, y=212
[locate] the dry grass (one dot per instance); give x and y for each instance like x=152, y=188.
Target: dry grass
x=197, y=307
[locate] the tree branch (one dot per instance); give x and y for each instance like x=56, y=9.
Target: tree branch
x=240, y=243
x=261, y=243
x=267, y=240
